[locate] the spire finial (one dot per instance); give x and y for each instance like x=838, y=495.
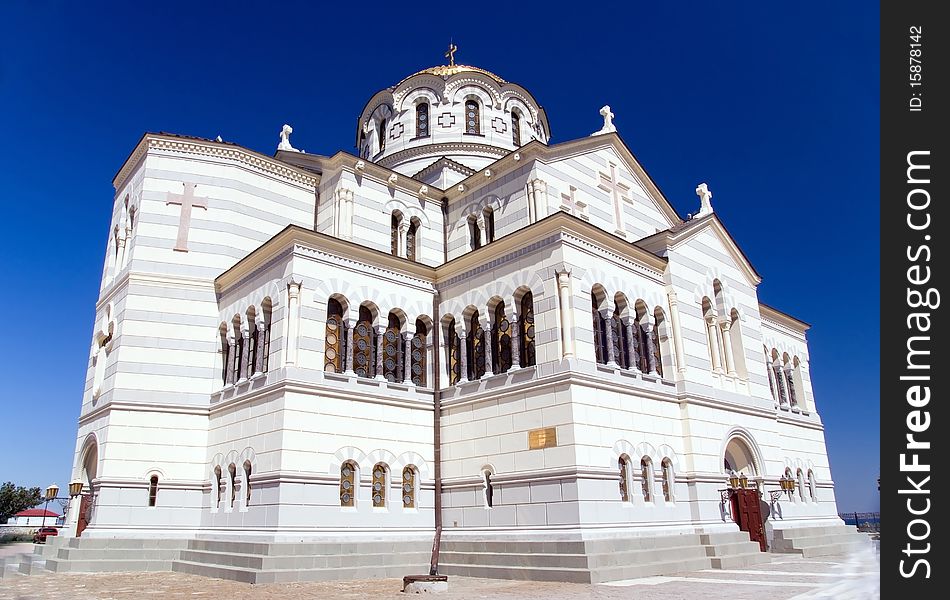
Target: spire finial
x=451, y=54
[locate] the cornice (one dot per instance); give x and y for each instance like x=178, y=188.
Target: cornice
x=782, y=320
x=251, y=160
x=441, y=149
x=358, y=167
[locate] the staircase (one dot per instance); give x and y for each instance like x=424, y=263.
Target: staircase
x=819, y=541
x=596, y=561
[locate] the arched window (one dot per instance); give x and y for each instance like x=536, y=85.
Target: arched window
x=812, y=486
x=796, y=377
x=646, y=478
x=252, y=341
x=417, y=358
x=771, y=374
x=476, y=348
x=475, y=233
x=393, y=361
x=789, y=381
x=238, y=349
x=411, y=238
x=153, y=490
x=489, y=490
x=334, y=337
x=515, y=128
x=640, y=333
x=363, y=344
x=453, y=353
x=232, y=473
x=657, y=345
x=800, y=477
x=621, y=340
x=381, y=133
x=348, y=484
x=738, y=351
x=597, y=300
x=489, y=216
x=267, y=309
x=527, y=357
x=409, y=486
x=217, y=487
x=668, y=479
x=225, y=353
x=380, y=484
x=501, y=340
x=247, y=483
x=623, y=463
x=394, y=232
x=422, y=119
x=712, y=335
x=472, y=117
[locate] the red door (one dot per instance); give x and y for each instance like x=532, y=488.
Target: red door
x=748, y=513
x=85, y=511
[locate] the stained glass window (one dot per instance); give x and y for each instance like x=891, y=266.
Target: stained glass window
x=417, y=358
x=667, y=465
x=363, y=344
x=411, y=235
x=646, y=479
x=453, y=353
x=624, y=475
x=348, y=484
x=422, y=119
x=392, y=351
x=394, y=235
x=515, y=128
x=501, y=340
x=409, y=487
x=657, y=350
x=153, y=490
x=472, y=117
x=526, y=318
x=333, y=347
x=380, y=475
x=476, y=349
x=600, y=332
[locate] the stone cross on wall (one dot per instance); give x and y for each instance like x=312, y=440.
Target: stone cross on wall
x=618, y=191
x=570, y=204
x=188, y=201
x=704, y=198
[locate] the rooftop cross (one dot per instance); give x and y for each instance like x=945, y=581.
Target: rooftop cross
x=702, y=190
x=451, y=54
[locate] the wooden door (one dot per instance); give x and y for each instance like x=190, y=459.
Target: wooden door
x=85, y=511
x=749, y=515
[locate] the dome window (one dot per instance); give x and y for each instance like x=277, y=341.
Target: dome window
x=515, y=128
x=472, y=118
x=422, y=120
x=382, y=134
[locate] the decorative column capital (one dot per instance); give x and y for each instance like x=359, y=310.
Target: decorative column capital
x=673, y=298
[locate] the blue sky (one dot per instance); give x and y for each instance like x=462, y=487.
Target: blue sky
x=775, y=106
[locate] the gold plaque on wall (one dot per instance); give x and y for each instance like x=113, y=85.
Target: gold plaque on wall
x=545, y=437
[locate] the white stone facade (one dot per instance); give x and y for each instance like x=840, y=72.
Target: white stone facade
x=219, y=400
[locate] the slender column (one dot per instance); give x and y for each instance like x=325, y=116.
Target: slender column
x=650, y=349
x=245, y=351
x=232, y=348
x=348, y=346
x=515, y=341
x=780, y=379
x=567, y=317
x=540, y=199
x=120, y=256
x=677, y=333
x=380, y=351
x=727, y=348
x=486, y=328
x=293, y=318
x=480, y=223
x=401, y=241
x=463, y=357
x=532, y=208
x=259, y=346
x=713, y=343
x=407, y=357
x=633, y=349
x=611, y=342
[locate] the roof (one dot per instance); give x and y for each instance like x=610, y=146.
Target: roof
x=36, y=512
x=448, y=70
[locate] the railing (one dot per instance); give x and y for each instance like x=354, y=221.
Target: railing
x=870, y=522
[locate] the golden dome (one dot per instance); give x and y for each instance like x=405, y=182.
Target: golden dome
x=447, y=70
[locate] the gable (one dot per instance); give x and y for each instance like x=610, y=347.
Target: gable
x=706, y=244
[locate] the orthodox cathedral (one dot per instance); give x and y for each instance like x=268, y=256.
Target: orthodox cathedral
x=461, y=349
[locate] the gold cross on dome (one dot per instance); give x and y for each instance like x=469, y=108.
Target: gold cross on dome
x=451, y=54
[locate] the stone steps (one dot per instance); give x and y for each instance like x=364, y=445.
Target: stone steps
x=295, y=575
x=572, y=575
x=649, y=569
x=262, y=562
x=128, y=565
x=818, y=541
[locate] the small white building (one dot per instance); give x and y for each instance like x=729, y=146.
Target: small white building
x=277, y=338
x=34, y=517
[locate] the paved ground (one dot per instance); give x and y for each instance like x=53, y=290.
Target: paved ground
x=786, y=578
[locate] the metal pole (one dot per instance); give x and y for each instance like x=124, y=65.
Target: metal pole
x=45, y=506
